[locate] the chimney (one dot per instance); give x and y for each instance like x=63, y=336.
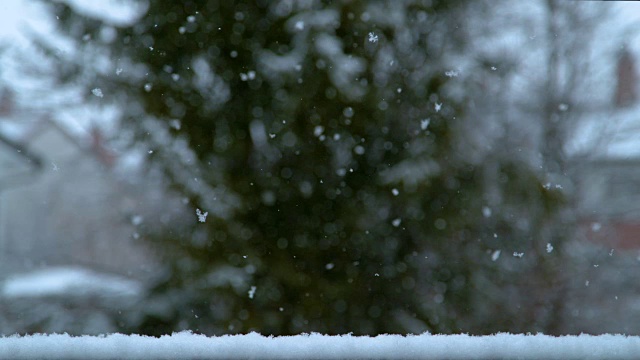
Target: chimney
x=104, y=155
x=626, y=87
x=7, y=102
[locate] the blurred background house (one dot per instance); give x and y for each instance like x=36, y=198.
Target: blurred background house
x=67, y=179
x=69, y=244
x=608, y=201
x=602, y=297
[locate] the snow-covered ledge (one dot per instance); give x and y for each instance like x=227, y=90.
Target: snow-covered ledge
x=186, y=345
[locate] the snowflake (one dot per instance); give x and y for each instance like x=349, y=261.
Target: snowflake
x=202, y=217
x=97, y=92
x=373, y=37
x=495, y=255
x=424, y=123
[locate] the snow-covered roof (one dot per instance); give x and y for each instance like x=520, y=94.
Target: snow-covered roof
x=68, y=281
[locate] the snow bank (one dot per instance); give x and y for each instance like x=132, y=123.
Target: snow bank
x=186, y=345
x=66, y=281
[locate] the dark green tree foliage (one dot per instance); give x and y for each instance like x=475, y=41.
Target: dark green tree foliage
x=320, y=139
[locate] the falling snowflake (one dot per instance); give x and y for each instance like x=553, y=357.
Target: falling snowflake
x=373, y=37
x=424, y=123
x=252, y=292
x=250, y=75
x=518, y=255
x=175, y=124
x=438, y=107
x=396, y=222
x=549, y=248
x=202, y=217
x=452, y=73
x=395, y=192
x=137, y=220
x=97, y=92
x=495, y=255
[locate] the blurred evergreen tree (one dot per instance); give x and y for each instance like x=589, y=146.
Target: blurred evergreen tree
x=319, y=139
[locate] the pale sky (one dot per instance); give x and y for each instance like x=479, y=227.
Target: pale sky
x=16, y=15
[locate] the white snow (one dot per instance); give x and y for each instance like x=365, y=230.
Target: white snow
x=452, y=73
x=495, y=255
x=424, y=123
x=252, y=292
x=65, y=281
x=202, y=216
x=250, y=75
x=186, y=345
x=97, y=92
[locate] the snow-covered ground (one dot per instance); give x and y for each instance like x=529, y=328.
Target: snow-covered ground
x=186, y=345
